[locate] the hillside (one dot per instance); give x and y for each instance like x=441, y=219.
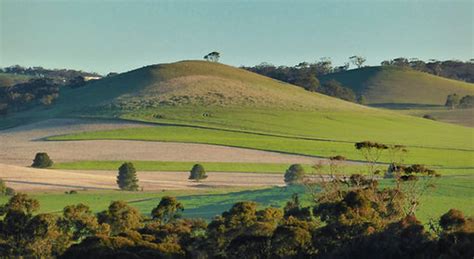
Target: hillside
x=211, y=103
x=192, y=85
x=211, y=95
x=7, y=79
x=391, y=86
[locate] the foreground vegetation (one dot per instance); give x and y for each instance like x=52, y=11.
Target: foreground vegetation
x=343, y=219
x=450, y=191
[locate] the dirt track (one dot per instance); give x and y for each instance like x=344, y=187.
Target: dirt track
x=19, y=145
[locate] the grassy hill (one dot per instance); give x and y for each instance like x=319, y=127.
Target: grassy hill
x=391, y=86
x=203, y=102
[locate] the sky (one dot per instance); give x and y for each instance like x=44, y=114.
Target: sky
x=117, y=36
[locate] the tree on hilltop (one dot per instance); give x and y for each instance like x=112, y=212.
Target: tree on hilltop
x=357, y=61
x=213, y=56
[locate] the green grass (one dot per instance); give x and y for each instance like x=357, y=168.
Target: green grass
x=276, y=168
x=390, y=85
x=427, y=156
x=100, y=200
x=451, y=192
x=458, y=116
x=178, y=166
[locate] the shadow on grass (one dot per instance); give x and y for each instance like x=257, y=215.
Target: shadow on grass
x=210, y=205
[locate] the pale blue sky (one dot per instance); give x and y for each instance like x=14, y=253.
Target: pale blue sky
x=106, y=36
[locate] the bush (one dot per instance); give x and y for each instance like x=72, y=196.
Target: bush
x=3, y=187
x=429, y=117
x=294, y=174
x=467, y=101
x=42, y=160
x=127, y=177
x=197, y=173
x=10, y=191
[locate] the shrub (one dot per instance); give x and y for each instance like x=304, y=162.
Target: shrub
x=452, y=101
x=294, y=174
x=429, y=117
x=467, y=101
x=10, y=191
x=197, y=173
x=3, y=187
x=127, y=177
x=42, y=160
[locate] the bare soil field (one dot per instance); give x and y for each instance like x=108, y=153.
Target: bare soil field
x=32, y=179
x=19, y=145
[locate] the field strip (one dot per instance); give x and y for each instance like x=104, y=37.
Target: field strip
x=171, y=124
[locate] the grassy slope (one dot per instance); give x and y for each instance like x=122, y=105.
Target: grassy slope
x=458, y=116
x=387, y=85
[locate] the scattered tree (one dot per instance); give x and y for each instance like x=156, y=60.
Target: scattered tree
x=120, y=217
x=308, y=82
x=127, y=177
x=42, y=160
x=294, y=174
x=213, y=56
x=362, y=100
x=197, y=173
x=452, y=101
x=467, y=101
x=357, y=61
x=168, y=210
x=336, y=89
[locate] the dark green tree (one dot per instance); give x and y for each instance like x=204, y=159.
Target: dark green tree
x=127, y=177
x=467, y=101
x=336, y=89
x=42, y=160
x=213, y=56
x=197, y=173
x=308, y=82
x=452, y=101
x=294, y=174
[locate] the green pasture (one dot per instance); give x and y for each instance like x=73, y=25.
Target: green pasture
x=439, y=157
x=450, y=192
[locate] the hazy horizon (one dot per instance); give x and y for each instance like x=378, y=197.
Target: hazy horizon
x=119, y=36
